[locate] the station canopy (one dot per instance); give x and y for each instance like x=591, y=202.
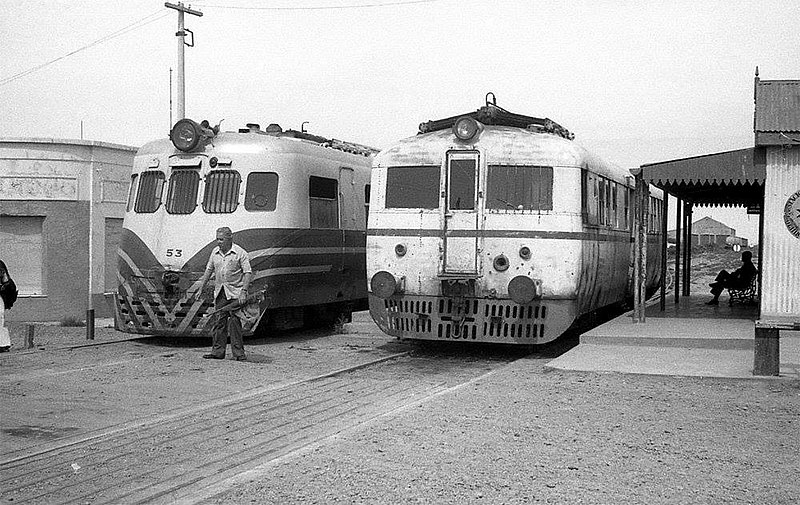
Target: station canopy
x=728, y=179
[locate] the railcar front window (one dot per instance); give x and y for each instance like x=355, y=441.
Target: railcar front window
x=462, y=184
x=132, y=192
x=412, y=187
x=518, y=187
x=323, y=196
x=262, y=191
x=182, y=193
x=222, y=192
x=148, y=198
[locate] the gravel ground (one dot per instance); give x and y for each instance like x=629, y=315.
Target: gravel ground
x=526, y=435
x=522, y=434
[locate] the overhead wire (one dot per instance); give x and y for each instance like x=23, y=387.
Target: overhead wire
x=151, y=18
x=318, y=7
x=155, y=16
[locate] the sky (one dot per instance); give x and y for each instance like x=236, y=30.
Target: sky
x=636, y=81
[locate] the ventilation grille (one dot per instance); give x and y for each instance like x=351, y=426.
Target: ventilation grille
x=466, y=319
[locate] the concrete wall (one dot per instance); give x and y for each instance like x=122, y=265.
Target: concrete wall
x=77, y=189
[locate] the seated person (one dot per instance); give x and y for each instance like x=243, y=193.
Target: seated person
x=739, y=279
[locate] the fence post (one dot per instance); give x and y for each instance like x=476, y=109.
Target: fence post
x=766, y=359
x=29, y=337
x=90, y=324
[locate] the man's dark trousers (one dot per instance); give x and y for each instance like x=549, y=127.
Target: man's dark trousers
x=227, y=324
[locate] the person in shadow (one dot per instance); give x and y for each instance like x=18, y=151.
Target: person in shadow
x=8, y=295
x=739, y=279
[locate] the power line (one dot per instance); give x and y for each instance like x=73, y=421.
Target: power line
x=133, y=26
x=318, y=8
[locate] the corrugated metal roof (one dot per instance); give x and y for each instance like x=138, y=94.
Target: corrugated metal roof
x=728, y=178
x=729, y=167
x=777, y=106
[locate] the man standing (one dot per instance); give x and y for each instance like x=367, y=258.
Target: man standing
x=231, y=269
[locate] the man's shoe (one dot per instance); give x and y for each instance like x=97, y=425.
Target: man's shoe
x=241, y=358
x=712, y=302
x=212, y=356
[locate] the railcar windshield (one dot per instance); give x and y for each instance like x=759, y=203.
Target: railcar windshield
x=414, y=187
x=182, y=193
x=519, y=187
x=222, y=192
x=148, y=197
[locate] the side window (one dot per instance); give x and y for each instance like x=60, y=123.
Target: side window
x=412, y=187
x=132, y=192
x=182, y=193
x=366, y=203
x=614, y=207
x=602, y=204
x=519, y=187
x=148, y=197
x=222, y=192
x=590, y=198
x=323, y=196
x=627, y=206
x=262, y=191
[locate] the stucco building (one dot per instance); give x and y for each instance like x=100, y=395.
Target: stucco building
x=62, y=203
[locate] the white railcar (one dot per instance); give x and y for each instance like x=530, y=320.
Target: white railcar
x=296, y=202
x=497, y=227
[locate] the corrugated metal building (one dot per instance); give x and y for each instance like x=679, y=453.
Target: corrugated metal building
x=766, y=180
x=777, y=131
x=61, y=208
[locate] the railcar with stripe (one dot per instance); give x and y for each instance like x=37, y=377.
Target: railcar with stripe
x=498, y=227
x=296, y=202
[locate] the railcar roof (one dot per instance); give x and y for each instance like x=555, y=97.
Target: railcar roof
x=504, y=144
x=491, y=114
x=258, y=141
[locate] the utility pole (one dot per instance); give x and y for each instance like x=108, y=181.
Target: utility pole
x=180, y=112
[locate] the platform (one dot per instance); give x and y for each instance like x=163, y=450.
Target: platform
x=689, y=338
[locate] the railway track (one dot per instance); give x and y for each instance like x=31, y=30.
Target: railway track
x=195, y=453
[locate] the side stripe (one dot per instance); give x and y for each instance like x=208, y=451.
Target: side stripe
x=598, y=236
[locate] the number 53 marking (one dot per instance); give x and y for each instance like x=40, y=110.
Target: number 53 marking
x=175, y=252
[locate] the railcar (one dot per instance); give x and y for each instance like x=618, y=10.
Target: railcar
x=296, y=202
x=497, y=227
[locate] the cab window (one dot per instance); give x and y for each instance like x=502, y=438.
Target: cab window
x=413, y=187
x=519, y=187
x=262, y=191
x=222, y=192
x=148, y=198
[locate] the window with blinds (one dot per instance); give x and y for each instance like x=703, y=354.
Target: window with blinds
x=222, y=192
x=182, y=193
x=148, y=198
x=520, y=187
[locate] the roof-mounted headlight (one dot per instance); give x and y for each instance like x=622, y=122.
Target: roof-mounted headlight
x=465, y=128
x=185, y=135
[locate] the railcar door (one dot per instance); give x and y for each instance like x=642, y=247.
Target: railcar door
x=460, y=230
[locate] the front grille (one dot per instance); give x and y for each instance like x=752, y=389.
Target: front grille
x=464, y=319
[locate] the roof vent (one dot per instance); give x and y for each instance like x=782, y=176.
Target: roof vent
x=274, y=128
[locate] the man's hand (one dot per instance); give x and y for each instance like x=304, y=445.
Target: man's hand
x=242, y=296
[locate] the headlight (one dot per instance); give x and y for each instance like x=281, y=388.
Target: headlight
x=185, y=135
x=465, y=128
x=524, y=290
x=383, y=284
